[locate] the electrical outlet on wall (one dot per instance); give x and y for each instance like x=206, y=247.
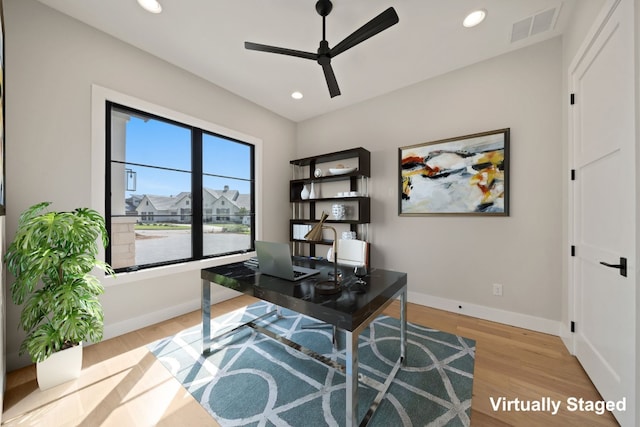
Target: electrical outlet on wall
x=497, y=289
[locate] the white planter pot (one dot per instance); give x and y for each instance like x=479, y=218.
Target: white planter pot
x=60, y=367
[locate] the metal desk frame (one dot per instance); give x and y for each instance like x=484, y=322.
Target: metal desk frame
x=350, y=369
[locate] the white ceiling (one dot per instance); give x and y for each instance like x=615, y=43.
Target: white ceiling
x=206, y=37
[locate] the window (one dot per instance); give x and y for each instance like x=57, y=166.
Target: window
x=164, y=181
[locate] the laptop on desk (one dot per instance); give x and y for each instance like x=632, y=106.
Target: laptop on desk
x=274, y=259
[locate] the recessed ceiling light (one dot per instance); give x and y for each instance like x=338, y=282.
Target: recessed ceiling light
x=474, y=18
x=150, y=6
x=296, y=95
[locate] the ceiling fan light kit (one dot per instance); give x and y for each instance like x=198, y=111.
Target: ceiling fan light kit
x=474, y=18
x=150, y=6
x=324, y=55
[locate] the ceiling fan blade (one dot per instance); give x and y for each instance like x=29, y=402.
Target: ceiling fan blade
x=380, y=23
x=280, y=50
x=334, y=90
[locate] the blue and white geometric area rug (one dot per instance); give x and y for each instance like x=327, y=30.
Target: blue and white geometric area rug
x=253, y=380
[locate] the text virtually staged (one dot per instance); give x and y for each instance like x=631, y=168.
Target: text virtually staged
x=547, y=404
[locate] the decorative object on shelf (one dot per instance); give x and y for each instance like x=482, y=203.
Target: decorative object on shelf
x=299, y=230
x=312, y=193
x=348, y=235
x=317, y=173
x=51, y=257
x=327, y=287
x=348, y=194
x=304, y=195
x=341, y=170
x=339, y=211
x=467, y=175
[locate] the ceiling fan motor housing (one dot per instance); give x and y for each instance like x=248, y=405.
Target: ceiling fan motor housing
x=323, y=7
x=323, y=53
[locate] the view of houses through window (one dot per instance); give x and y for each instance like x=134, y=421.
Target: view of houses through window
x=177, y=192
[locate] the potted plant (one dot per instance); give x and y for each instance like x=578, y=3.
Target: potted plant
x=52, y=257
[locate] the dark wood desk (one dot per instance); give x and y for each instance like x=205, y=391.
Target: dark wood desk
x=349, y=311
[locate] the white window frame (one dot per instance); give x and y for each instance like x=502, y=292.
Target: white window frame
x=99, y=96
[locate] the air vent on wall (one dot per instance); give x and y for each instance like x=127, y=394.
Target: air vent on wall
x=536, y=24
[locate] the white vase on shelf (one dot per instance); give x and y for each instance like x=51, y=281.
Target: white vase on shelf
x=312, y=193
x=304, y=195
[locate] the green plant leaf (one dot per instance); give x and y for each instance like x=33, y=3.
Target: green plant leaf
x=42, y=343
x=51, y=257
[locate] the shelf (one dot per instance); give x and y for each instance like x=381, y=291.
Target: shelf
x=328, y=221
x=330, y=178
x=331, y=199
x=307, y=211
x=363, y=156
x=323, y=242
x=296, y=185
x=361, y=216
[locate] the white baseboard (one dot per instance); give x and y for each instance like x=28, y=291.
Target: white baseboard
x=567, y=338
x=511, y=318
x=134, y=323
x=147, y=319
x=125, y=326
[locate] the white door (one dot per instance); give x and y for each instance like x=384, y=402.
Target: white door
x=602, y=122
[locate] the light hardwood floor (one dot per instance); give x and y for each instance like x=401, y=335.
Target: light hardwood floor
x=122, y=384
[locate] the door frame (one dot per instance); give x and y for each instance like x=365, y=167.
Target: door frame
x=571, y=296
x=596, y=29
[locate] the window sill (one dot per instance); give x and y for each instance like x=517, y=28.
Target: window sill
x=167, y=270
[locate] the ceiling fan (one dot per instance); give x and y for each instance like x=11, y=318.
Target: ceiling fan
x=380, y=23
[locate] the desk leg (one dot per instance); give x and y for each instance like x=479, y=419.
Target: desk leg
x=403, y=326
x=206, y=316
x=351, y=365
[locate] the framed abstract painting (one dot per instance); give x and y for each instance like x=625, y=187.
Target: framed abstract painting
x=466, y=175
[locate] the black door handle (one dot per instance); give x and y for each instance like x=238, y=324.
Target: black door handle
x=622, y=266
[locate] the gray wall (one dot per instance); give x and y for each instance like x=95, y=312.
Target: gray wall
x=454, y=261
x=52, y=62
